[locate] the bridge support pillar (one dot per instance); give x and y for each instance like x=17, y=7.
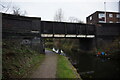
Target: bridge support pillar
x=37, y=45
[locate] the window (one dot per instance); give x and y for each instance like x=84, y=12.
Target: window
x=90, y=17
x=118, y=15
x=117, y=22
x=91, y=23
x=110, y=15
x=101, y=21
x=101, y=15
x=110, y=21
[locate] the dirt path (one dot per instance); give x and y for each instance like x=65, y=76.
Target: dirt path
x=48, y=67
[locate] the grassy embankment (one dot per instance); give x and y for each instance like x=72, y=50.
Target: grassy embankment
x=19, y=61
x=65, y=68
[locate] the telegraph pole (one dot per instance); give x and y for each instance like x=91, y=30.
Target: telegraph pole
x=119, y=6
x=105, y=11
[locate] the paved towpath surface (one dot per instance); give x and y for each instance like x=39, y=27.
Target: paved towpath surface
x=48, y=67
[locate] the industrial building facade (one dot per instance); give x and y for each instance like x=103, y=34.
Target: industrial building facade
x=103, y=17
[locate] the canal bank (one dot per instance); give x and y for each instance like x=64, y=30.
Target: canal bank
x=65, y=69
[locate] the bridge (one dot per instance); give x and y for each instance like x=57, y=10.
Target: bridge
x=66, y=30
x=29, y=25
x=33, y=28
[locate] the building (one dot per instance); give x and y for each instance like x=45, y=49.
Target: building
x=103, y=17
x=119, y=6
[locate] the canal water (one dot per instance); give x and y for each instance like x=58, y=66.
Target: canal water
x=93, y=67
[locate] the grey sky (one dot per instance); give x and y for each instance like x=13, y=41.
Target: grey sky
x=72, y=8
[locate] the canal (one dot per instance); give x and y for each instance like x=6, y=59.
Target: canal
x=93, y=67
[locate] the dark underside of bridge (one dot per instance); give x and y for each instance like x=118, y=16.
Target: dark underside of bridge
x=86, y=44
x=32, y=28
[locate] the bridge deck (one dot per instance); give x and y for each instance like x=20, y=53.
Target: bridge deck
x=30, y=26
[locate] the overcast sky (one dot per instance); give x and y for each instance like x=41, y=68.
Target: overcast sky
x=46, y=9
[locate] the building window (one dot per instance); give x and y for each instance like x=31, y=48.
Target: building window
x=110, y=15
x=91, y=23
x=101, y=21
x=101, y=15
x=117, y=22
x=90, y=17
x=110, y=21
x=118, y=15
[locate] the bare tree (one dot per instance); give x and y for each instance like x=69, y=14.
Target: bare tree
x=17, y=11
x=8, y=7
x=75, y=20
x=5, y=6
x=59, y=15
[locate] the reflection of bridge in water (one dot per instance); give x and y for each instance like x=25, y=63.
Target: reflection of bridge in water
x=33, y=29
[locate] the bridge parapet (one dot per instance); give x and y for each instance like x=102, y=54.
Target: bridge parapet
x=65, y=29
x=108, y=30
x=20, y=25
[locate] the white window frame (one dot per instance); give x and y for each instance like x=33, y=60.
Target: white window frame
x=117, y=22
x=101, y=15
x=101, y=21
x=117, y=15
x=110, y=15
x=90, y=17
x=110, y=21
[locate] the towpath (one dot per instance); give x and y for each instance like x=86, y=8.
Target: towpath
x=48, y=67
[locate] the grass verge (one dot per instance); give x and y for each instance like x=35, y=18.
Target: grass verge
x=65, y=68
x=19, y=61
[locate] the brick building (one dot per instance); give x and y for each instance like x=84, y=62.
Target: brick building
x=103, y=17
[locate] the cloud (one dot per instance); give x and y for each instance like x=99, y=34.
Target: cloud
x=87, y=1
